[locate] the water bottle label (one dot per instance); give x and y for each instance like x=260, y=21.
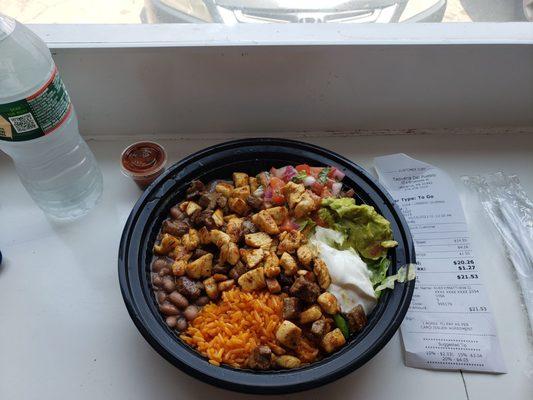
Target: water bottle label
x=37, y=115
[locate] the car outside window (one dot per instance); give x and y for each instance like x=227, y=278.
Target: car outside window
x=232, y=12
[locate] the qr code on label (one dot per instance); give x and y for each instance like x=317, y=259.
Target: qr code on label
x=23, y=123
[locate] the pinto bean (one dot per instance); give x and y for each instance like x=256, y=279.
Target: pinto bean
x=159, y=264
x=171, y=321
x=168, y=284
x=169, y=309
x=178, y=300
x=181, y=324
x=190, y=312
x=157, y=281
x=202, y=301
x=161, y=297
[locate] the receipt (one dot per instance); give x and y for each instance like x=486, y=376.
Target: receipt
x=449, y=324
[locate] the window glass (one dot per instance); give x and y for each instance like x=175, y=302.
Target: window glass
x=232, y=12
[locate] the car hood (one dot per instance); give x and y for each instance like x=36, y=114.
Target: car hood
x=312, y=5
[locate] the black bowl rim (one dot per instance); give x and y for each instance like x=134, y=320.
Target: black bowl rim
x=287, y=381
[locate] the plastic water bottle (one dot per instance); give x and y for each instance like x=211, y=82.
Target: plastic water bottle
x=39, y=128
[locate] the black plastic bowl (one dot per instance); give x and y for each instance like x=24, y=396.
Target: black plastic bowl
x=253, y=156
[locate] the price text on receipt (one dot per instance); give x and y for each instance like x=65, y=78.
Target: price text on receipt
x=449, y=324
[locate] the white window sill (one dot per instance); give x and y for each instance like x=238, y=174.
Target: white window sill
x=185, y=35
x=64, y=321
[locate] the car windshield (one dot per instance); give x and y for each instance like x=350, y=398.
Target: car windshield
x=231, y=12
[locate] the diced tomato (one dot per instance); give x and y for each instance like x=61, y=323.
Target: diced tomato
x=304, y=167
x=329, y=183
x=332, y=172
x=317, y=188
x=288, y=225
x=277, y=199
x=276, y=184
x=315, y=171
x=326, y=193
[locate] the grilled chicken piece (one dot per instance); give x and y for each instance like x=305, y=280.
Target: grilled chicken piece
x=252, y=280
x=234, y=229
x=279, y=214
x=333, y=340
x=224, y=189
x=211, y=288
x=226, y=285
x=238, y=206
x=293, y=192
x=329, y=303
x=241, y=192
x=200, y=267
x=168, y=243
x=191, y=240
x=254, y=183
x=311, y=314
x=179, y=268
x=288, y=334
x=306, y=254
x=218, y=217
x=264, y=221
x=219, y=237
x=204, y=235
x=258, y=240
x=252, y=257
x=192, y=207
x=289, y=264
x=288, y=362
x=240, y=179
x=322, y=273
x=289, y=241
x=305, y=205
x=229, y=252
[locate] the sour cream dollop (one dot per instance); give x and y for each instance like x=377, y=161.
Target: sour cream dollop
x=350, y=277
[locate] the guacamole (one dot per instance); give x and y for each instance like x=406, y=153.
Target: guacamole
x=363, y=228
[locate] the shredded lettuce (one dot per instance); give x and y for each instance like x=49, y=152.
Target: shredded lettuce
x=307, y=226
x=378, y=270
x=405, y=273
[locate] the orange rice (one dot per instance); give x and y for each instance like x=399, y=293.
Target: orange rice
x=228, y=331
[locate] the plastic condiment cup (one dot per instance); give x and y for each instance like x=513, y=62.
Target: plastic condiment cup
x=143, y=162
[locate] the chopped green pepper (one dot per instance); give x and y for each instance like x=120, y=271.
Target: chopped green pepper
x=342, y=325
